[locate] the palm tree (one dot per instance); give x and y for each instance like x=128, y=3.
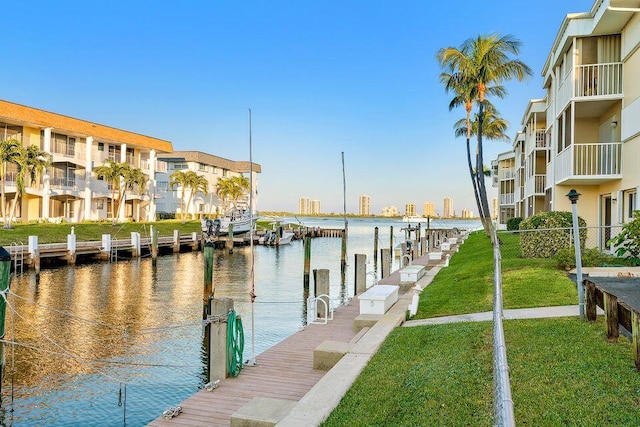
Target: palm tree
x=133, y=180
x=111, y=172
x=32, y=162
x=10, y=150
x=191, y=181
x=232, y=188
x=474, y=71
x=495, y=129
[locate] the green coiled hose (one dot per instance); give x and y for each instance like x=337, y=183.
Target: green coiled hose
x=235, y=344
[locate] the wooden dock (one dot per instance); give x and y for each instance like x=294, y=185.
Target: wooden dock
x=284, y=371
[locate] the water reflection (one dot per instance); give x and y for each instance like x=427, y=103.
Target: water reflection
x=86, y=331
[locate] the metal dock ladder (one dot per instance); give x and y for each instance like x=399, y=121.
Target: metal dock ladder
x=17, y=256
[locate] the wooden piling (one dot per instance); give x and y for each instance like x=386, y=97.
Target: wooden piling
x=5, y=270
x=154, y=244
x=321, y=281
x=220, y=308
x=418, y=235
x=360, y=278
x=229, y=242
x=385, y=262
x=391, y=239
x=375, y=249
x=343, y=257
x=207, y=294
x=307, y=263
x=176, y=241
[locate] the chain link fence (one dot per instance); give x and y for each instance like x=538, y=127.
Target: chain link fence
x=524, y=243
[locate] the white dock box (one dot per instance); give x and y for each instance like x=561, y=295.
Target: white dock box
x=445, y=246
x=411, y=273
x=378, y=299
x=435, y=255
x=453, y=240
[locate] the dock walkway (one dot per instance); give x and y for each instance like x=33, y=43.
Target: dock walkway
x=286, y=372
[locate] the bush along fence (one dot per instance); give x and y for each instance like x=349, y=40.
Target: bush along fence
x=616, y=313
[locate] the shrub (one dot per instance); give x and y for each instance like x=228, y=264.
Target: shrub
x=628, y=241
x=555, y=234
x=593, y=257
x=513, y=223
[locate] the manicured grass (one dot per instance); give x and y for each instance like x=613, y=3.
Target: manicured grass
x=91, y=231
x=563, y=373
x=424, y=376
x=466, y=286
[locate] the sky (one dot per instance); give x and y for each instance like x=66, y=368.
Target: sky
x=320, y=77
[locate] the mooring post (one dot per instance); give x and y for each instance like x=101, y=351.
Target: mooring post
x=307, y=263
x=5, y=270
x=321, y=282
x=229, y=243
x=71, y=247
x=220, y=308
x=418, y=253
x=208, y=289
x=360, y=278
x=154, y=244
x=34, y=252
x=391, y=239
x=343, y=258
x=375, y=249
x=385, y=262
x=176, y=241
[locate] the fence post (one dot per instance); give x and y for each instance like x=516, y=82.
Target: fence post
x=590, y=300
x=635, y=332
x=611, y=316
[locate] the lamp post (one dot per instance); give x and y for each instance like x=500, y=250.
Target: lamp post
x=573, y=195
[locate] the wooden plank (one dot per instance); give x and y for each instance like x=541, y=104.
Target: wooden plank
x=285, y=370
x=611, y=316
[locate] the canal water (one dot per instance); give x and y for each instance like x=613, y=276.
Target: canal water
x=109, y=344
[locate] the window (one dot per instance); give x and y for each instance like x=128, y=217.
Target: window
x=180, y=166
x=630, y=200
x=202, y=168
x=100, y=146
x=100, y=204
x=163, y=185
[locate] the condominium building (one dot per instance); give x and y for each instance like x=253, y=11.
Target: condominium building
x=68, y=189
x=410, y=209
x=315, y=207
x=429, y=209
x=466, y=214
x=447, y=211
x=211, y=168
x=304, y=206
x=390, y=211
x=364, y=205
x=504, y=178
x=585, y=133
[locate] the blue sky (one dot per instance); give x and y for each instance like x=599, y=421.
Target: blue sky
x=321, y=78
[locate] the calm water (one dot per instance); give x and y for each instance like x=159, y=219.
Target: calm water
x=103, y=343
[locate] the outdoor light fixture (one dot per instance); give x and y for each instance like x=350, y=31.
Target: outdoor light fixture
x=614, y=124
x=573, y=195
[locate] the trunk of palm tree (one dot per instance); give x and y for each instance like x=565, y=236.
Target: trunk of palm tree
x=2, y=193
x=475, y=185
x=184, y=219
x=482, y=191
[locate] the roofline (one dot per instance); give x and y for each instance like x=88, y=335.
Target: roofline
x=211, y=159
x=47, y=119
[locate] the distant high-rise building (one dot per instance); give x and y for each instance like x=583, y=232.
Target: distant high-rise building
x=410, y=209
x=364, y=203
x=447, y=211
x=467, y=214
x=389, y=211
x=304, y=206
x=315, y=207
x=429, y=209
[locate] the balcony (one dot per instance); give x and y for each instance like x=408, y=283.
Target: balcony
x=507, y=199
x=534, y=185
x=589, y=163
x=590, y=82
x=506, y=173
x=67, y=183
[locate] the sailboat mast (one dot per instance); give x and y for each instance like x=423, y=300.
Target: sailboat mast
x=252, y=361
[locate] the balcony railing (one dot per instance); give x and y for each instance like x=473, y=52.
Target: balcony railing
x=597, y=161
x=506, y=174
x=541, y=138
x=598, y=80
x=506, y=199
x=161, y=166
x=67, y=183
x=534, y=186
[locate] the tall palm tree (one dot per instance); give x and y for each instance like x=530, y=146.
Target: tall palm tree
x=133, y=181
x=111, y=172
x=232, y=188
x=188, y=181
x=10, y=151
x=32, y=162
x=480, y=64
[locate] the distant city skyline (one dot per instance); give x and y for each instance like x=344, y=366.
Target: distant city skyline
x=364, y=205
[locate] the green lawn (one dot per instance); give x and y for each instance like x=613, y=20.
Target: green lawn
x=91, y=231
x=563, y=373
x=466, y=286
